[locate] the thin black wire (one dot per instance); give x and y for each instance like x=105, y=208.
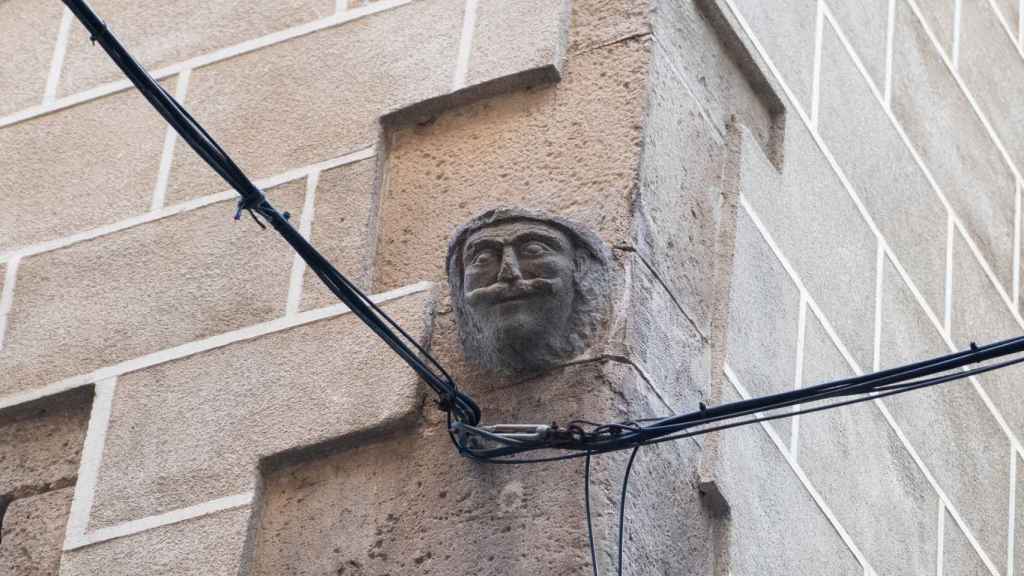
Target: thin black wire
x=622, y=503
x=590, y=524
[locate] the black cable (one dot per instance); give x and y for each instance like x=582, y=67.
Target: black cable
x=622, y=503
x=590, y=524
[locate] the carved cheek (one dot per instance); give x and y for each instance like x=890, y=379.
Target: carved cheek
x=478, y=277
x=554, y=266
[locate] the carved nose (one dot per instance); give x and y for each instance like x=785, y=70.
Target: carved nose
x=509, y=271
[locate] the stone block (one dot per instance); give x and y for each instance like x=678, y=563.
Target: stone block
x=786, y=30
x=958, y=556
x=764, y=316
x=32, y=27
x=776, y=526
x=852, y=450
x=865, y=25
x=1010, y=11
x=143, y=289
x=342, y=228
x=287, y=390
x=78, y=168
x=164, y=33
x=940, y=16
x=514, y=37
x=555, y=149
x=599, y=22
x=33, y=532
x=1018, y=532
x=993, y=70
x=41, y=444
x=883, y=172
x=949, y=426
x=319, y=95
x=968, y=168
x=979, y=315
x=804, y=211
x=210, y=545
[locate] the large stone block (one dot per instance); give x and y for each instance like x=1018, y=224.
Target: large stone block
x=993, y=69
x=804, y=211
x=949, y=426
x=883, y=172
x=78, y=168
x=141, y=290
x=41, y=443
x=786, y=30
x=853, y=451
x=253, y=399
x=211, y=545
x=162, y=33
x=968, y=168
x=32, y=27
x=554, y=149
x=512, y=37
x=958, y=556
x=32, y=534
x=865, y=25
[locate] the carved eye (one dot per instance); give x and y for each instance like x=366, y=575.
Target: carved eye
x=483, y=257
x=535, y=248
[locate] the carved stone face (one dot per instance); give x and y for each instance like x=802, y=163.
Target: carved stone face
x=528, y=291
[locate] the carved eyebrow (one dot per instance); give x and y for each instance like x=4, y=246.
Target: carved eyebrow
x=475, y=246
x=540, y=236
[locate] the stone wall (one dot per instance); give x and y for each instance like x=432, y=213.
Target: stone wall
x=793, y=192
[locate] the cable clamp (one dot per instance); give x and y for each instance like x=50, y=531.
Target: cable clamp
x=521, y=432
x=250, y=204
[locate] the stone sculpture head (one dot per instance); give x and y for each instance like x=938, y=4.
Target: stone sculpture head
x=529, y=290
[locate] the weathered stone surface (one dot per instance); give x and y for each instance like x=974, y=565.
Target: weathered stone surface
x=41, y=443
x=512, y=37
x=958, y=556
x=786, y=30
x=968, y=168
x=1010, y=11
x=776, y=527
x=207, y=546
x=599, y=22
x=865, y=25
x=32, y=534
x=101, y=162
x=555, y=149
x=884, y=175
x=993, y=70
x=949, y=426
x=144, y=289
x=249, y=400
x=1018, y=532
x=342, y=228
x=853, y=451
x=167, y=32
x=939, y=15
x=32, y=28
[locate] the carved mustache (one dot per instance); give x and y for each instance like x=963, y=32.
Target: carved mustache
x=504, y=291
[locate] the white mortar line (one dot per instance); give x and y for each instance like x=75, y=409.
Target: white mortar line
x=958, y=9
x=209, y=58
x=1003, y=21
x=947, y=304
x=798, y=380
x=815, y=495
x=465, y=45
x=940, y=538
x=166, y=519
x=89, y=464
x=167, y=156
x=186, y=206
x=1016, y=245
x=60, y=49
x=306, y=230
x=819, y=32
x=204, y=345
x=890, y=36
x=876, y=352
x=1012, y=513
x=7, y=295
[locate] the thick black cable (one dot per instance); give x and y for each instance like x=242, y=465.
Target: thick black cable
x=622, y=503
x=590, y=523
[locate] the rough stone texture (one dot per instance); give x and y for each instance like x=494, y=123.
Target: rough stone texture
x=296, y=388
x=163, y=33
x=968, y=168
x=993, y=69
x=979, y=315
x=1018, y=532
x=853, y=450
x=1010, y=11
x=32, y=534
x=342, y=228
x=32, y=28
x=949, y=426
x=939, y=15
x=764, y=313
x=101, y=162
x=865, y=24
x=512, y=37
x=884, y=175
x=786, y=29
x=144, y=289
x=555, y=149
x=207, y=546
x=958, y=556
x=595, y=23
x=41, y=444
x=772, y=517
